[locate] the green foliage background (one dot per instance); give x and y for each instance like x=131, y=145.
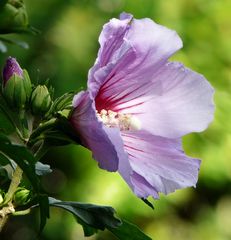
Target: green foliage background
x=66, y=49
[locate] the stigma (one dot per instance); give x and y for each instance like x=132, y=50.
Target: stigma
x=125, y=122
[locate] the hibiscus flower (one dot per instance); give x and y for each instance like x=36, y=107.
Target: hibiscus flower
x=138, y=105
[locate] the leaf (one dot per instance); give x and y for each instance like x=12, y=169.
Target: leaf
x=44, y=210
x=23, y=158
x=88, y=231
x=93, y=217
x=27, y=162
x=89, y=215
x=128, y=231
x=15, y=42
x=42, y=169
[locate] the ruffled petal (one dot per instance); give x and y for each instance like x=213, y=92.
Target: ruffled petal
x=112, y=47
x=93, y=134
x=132, y=58
x=179, y=101
x=158, y=164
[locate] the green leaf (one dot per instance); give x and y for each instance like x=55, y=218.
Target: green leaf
x=89, y=215
x=88, y=231
x=44, y=210
x=128, y=231
x=23, y=158
x=15, y=42
x=93, y=217
x=27, y=162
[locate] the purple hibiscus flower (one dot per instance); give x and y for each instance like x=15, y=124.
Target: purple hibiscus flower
x=138, y=106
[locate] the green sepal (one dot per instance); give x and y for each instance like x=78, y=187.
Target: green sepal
x=14, y=92
x=27, y=84
x=17, y=90
x=61, y=103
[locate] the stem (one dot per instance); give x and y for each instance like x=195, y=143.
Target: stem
x=8, y=209
x=3, y=222
x=43, y=127
x=16, y=179
x=23, y=212
x=23, y=125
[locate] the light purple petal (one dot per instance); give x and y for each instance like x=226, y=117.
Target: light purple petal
x=142, y=188
x=159, y=164
x=93, y=133
x=110, y=39
x=124, y=168
x=179, y=101
x=130, y=56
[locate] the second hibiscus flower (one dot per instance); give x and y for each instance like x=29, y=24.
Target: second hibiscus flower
x=138, y=106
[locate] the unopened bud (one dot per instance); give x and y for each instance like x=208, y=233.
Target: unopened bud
x=13, y=17
x=40, y=100
x=22, y=196
x=16, y=84
x=11, y=67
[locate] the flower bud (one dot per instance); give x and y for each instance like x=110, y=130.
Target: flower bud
x=11, y=67
x=22, y=196
x=16, y=84
x=13, y=17
x=40, y=100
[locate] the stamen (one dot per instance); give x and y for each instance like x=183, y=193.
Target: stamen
x=124, y=122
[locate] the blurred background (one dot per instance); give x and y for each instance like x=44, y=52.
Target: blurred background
x=63, y=53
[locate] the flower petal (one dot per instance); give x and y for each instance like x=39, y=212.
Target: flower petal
x=110, y=39
x=159, y=164
x=129, y=55
x=124, y=168
x=179, y=101
x=93, y=133
x=142, y=188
